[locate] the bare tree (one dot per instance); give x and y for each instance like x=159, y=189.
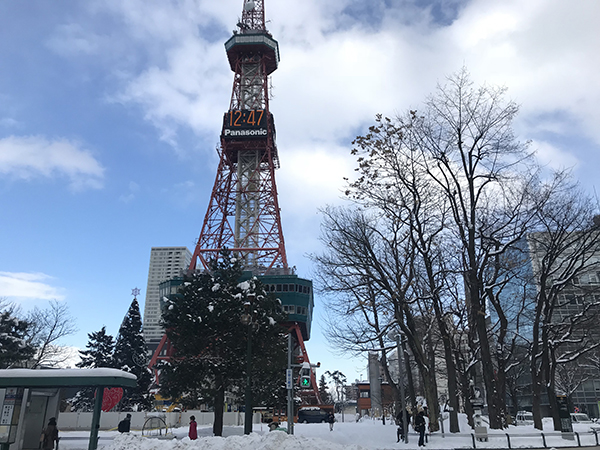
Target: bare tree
x=569, y=377
x=564, y=253
x=438, y=244
x=48, y=327
x=368, y=272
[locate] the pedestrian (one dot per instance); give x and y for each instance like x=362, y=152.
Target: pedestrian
x=125, y=424
x=50, y=435
x=331, y=420
x=420, y=427
x=193, y=433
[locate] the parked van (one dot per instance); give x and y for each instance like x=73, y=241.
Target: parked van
x=580, y=418
x=312, y=415
x=584, y=420
x=524, y=418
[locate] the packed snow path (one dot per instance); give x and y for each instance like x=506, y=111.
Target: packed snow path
x=365, y=435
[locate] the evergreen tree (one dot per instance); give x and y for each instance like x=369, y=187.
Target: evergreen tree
x=130, y=356
x=324, y=391
x=204, y=324
x=99, y=353
x=13, y=333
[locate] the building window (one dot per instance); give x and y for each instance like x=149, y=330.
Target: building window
x=364, y=394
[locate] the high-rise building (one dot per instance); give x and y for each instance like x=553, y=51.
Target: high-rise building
x=165, y=263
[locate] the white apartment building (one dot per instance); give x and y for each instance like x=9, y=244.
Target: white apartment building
x=165, y=263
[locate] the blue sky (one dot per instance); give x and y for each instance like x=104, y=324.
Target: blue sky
x=110, y=112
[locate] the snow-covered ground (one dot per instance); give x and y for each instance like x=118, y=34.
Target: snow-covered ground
x=367, y=435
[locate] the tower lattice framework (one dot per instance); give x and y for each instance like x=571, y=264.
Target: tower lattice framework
x=243, y=213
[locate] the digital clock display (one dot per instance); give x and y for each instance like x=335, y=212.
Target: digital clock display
x=245, y=123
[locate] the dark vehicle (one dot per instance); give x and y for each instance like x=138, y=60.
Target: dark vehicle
x=312, y=415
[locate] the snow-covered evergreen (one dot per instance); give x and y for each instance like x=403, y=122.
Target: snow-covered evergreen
x=204, y=324
x=130, y=356
x=13, y=332
x=99, y=353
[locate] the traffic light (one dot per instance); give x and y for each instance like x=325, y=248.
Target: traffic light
x=305, y=381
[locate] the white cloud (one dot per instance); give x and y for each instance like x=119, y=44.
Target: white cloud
x=23, y=285
x=553, y=157
x=189, y=90
x=28, y=157
x=8, y=122
x=72, y=357
x=132, y=191
x=73, y=39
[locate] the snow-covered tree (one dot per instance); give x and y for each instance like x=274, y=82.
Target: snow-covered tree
x=204, y=322
x=324, y=390
x=13, y=333
x=99, y=353
x=130, y=355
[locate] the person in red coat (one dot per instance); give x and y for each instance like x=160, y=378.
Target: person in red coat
x=193, y=433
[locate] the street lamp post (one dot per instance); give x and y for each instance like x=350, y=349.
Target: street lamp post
x=402, y=396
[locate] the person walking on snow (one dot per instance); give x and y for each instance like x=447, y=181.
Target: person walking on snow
x=420, y=426
x=193, y=433
x=331, y=420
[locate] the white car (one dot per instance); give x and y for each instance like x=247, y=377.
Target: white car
x=524, y=418
x=584, y=419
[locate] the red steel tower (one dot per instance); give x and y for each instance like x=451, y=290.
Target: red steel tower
x=243, y=213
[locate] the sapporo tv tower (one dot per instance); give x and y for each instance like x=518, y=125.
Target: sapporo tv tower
x=243, y=213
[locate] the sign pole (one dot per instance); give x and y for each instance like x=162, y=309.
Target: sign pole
x=289, y=379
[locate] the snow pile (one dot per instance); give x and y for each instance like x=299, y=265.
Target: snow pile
x=276, y=440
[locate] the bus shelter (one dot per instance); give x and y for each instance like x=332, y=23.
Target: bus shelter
x=28, y=397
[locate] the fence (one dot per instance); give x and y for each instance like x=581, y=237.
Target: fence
x=510, y=441
x=71, y=421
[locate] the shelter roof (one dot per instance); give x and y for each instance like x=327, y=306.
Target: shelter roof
x=66, y=378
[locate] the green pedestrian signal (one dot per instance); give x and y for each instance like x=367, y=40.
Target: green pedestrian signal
x=305, y=381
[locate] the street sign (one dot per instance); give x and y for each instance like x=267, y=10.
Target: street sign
x=289, y=379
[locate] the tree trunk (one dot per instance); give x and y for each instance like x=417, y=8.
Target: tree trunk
x=412, y=396
x=477, y=315
x=430, y=390
x=219, y=410
x=501, y=386
x=553, y=406
x=433, y=402
x=450, y=369
x=452, y=392
x=536, y=386
x=548, y=366
x=465, y=395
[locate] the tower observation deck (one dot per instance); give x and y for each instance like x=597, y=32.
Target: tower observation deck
x=243, y=214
